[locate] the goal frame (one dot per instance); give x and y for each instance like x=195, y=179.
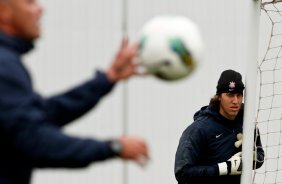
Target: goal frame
x=250, y=92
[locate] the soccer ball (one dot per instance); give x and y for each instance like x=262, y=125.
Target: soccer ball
x=170, y=47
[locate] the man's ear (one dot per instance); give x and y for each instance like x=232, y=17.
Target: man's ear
x=219, y=97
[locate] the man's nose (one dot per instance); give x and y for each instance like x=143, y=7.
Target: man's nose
x=235, y=99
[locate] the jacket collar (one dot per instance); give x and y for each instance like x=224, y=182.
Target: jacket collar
x=19, y=45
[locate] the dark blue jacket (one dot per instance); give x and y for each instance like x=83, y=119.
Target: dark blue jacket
x=209, y=140
x=30, y=125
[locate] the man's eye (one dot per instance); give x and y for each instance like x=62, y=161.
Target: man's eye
x=229, y=94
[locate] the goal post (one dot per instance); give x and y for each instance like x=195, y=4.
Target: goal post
x=263, y=100
x=250, y=92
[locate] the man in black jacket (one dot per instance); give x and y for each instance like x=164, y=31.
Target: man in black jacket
x=210, y=148
x=30, y=125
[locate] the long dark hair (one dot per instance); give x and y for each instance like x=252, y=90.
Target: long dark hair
x=215, y=102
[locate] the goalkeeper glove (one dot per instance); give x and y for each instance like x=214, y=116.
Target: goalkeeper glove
x=231, y=167
x=239, y=141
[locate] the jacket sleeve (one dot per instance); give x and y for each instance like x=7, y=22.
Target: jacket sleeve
x=43, y=145
x=26, y=129
x=191, y=147
x=64, y=108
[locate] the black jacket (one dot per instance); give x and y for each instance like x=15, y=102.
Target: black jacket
x=209, y=140
x=30, y=125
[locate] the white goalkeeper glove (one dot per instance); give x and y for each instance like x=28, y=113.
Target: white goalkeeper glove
x=239, y=141
x=231, y=167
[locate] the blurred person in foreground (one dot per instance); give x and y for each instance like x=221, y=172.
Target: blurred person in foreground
x=209, y=150
x=30, y=125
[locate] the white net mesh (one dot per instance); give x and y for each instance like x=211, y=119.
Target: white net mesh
x=269, y=114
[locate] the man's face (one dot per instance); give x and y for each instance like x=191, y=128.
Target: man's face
x=23, y=18
x=230, y=104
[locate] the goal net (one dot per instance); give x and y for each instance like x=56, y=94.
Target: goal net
x=269, y=107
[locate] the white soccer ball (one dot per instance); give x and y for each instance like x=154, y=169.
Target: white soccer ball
x=170, y=47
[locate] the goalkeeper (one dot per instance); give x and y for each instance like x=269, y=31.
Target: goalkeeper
x=209, y=151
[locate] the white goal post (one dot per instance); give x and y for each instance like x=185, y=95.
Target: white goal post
x=264, y=110
x=250, y=97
